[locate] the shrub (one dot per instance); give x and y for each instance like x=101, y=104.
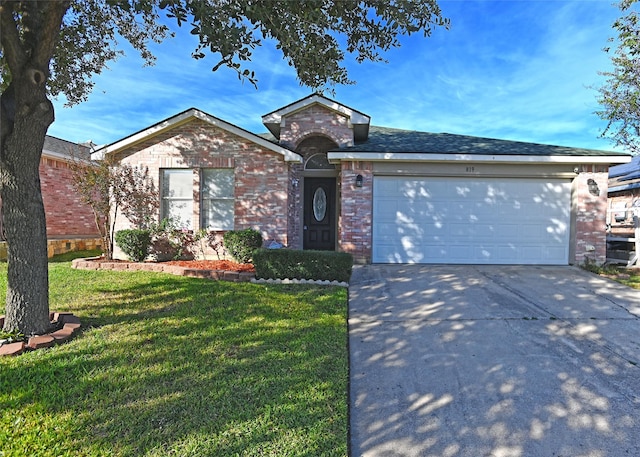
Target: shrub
x=172, y=243
x=241, y=244
x=134, y=243
x=293, y=264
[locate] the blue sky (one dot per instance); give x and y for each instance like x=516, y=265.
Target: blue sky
x=513, y=69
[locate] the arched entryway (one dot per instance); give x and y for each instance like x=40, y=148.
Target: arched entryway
x=320, y=194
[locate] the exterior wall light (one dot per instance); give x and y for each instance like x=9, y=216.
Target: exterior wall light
x=359, y=180
x=593, y=187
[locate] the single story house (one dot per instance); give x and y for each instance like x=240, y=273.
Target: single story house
x=70, y=223
x=324, y=178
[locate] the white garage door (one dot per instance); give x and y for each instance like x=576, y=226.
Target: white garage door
x=471, y=220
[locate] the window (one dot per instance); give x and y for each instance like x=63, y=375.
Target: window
x=217, y=199
x=318, y=162
x=177, y=197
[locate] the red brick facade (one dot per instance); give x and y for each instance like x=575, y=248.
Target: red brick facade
x=316, y=120
x=355, y=222
x=590, y=214
x=262, y=178
x=70, y=223
x=67, y=216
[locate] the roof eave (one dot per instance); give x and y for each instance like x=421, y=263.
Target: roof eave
x=358, y=120
x=186, y=116
x=337, y=156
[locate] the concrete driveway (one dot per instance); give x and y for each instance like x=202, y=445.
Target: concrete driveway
x=494, y=361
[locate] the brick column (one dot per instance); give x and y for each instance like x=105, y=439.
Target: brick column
x=355, y=223
x=590, y=209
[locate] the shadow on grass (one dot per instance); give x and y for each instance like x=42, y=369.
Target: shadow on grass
x=192, y=367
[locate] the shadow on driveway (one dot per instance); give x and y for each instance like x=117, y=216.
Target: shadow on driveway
x=501, y=361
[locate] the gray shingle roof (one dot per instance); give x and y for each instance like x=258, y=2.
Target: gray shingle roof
x=67, y=148
x=384, y=139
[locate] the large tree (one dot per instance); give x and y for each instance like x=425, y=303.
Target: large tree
x=620, y=95
x=53, y=47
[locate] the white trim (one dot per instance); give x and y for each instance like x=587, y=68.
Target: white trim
x=355, y=117
x=289, y=156
x=424, y=157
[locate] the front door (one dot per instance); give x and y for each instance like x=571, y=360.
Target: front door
x=320, y=214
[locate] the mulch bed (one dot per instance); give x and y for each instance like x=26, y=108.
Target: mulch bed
x=220, y=265
x=226, y=265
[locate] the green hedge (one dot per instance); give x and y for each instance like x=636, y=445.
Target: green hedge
x=134, y=243
x=242, y=243
x=293, y=264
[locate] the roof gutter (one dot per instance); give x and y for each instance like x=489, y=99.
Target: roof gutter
x=337, y=156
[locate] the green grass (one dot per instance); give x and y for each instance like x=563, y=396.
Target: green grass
x=178, y=366
x=617, y=273
x=634, y=278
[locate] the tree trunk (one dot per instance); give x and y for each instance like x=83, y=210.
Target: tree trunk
x=27, y=303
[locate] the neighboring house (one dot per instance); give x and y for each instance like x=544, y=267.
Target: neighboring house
x=324, y=178
x=70, y=223
x=624, y=192
x=624, y=208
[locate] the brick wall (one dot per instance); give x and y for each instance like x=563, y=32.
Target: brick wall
x=316, y=120
x=355, y=222
x=67, y=216
x=262, y=182
x=590, y=212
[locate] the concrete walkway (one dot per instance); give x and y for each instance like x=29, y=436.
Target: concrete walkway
x=494, y=361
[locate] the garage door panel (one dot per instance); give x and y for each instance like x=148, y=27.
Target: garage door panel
x=454, y=220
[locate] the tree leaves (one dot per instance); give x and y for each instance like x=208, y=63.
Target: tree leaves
x=620, y=95
x=315, y=36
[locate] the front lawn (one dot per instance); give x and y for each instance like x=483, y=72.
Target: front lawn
x=179, y=366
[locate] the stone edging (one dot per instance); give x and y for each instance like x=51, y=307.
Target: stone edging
x=300, y=281
x=218, y=275
x=67, y=326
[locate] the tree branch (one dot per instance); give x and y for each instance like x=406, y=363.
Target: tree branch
x=10, y=38
x=49, y=32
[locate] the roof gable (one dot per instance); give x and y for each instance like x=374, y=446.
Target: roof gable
x=358, y=120
x=189, y=115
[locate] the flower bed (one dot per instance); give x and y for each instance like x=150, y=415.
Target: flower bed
x=221, y=270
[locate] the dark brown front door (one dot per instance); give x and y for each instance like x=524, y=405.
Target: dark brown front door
x=320, y=213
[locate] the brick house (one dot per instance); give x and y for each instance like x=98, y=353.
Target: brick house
x=324, y=178
x=70, y=223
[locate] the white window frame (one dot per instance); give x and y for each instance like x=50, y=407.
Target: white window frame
x=223, y=196
x=187, y=224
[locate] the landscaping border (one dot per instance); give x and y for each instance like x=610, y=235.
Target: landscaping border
x=65, y=326
x=216, y=275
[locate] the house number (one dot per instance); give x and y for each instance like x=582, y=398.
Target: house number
x=471, y=169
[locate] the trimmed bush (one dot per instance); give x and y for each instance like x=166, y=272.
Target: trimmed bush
x=241, y=244
x=293, y=264
x=134, y=243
